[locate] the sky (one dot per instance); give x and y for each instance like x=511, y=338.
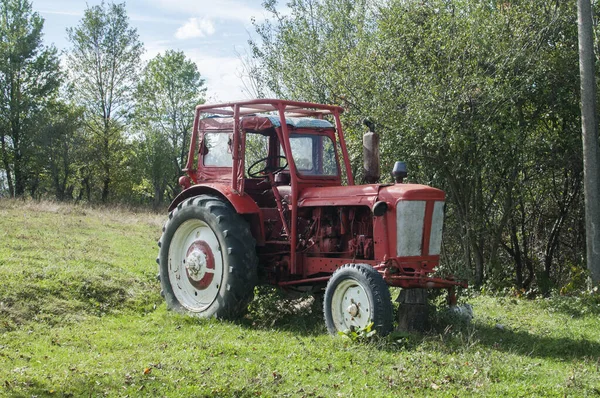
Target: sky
x=212, y=33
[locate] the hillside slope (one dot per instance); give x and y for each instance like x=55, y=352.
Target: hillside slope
x=81, y=315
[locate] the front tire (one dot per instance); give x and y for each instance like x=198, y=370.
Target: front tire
x=207, y=259
x=357, y=295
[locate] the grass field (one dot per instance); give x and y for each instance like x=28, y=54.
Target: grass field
x=81, y=315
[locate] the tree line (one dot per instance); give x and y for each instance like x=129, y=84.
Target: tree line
x=480, y=98
x=97, y=126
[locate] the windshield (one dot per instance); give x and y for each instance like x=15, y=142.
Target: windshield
x=314, y=155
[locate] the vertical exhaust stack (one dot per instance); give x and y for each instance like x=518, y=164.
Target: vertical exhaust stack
x=370, y=153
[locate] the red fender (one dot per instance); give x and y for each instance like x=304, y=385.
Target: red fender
x=243, y=205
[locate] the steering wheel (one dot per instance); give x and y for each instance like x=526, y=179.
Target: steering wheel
x=267, y=169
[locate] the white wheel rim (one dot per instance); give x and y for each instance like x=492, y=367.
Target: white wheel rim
x=350, y=305
x=195, y=265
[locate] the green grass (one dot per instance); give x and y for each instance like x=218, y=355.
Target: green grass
x=81, y=315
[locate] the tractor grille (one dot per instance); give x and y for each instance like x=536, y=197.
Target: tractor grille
x=410, y=216
x=409, y=224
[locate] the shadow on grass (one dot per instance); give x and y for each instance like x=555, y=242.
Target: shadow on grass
x=527, y=344
x=510, y=341
x=305, y=326
x=273, y=309
x=82, y=386
x=303, y=316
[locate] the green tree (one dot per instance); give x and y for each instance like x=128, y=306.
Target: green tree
x=169, y=90
x=29, y=78
x=103, y=68
x=478, y=97
x=63, y=149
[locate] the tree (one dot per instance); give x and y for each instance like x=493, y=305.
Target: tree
x=478, y=97
x=29, y=78
x=169, y=90
x=589, y=125
x=62, y=148
x=103, y=68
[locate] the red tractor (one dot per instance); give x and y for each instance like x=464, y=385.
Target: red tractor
x=269, y=197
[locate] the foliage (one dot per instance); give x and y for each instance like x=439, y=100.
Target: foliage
x=169, y=90
x=103, y=66
x=480, y=99
x=578, y=303
x=359, y=335
x=62, y=150
x=29, y=79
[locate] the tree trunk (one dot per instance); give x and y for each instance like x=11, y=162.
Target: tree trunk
x=479, y=262
x=106, y=163
x=413, y=312
x=6, y=164
x=19, y=176
x=105, y=188
x=589, y=127
x=516, y=253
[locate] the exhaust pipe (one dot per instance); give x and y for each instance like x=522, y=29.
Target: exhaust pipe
x=370, y=153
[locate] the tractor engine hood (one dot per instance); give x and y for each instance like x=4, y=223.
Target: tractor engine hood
x=367, y=195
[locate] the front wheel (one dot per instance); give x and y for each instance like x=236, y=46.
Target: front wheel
x=357, y=295
x=207, y=259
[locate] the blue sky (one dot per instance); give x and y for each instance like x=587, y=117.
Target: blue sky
x=211, y=33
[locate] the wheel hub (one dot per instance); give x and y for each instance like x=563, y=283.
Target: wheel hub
x=195, y=264
x=353, y=309
x=199, y=264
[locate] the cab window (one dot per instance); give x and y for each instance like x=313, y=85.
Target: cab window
x=218, y=149
x=314, y=155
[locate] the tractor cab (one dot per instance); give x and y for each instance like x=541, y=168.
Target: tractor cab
x=299, y=148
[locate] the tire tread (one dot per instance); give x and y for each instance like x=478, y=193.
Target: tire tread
x=240, y=248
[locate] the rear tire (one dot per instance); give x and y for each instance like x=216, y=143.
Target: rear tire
x=207, y=259
x=357, y=295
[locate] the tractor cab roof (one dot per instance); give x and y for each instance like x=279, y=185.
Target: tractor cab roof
x=262, y=122
x=289, y=108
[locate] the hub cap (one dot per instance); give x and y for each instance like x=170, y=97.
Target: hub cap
x=200, y=265
x=195, y=265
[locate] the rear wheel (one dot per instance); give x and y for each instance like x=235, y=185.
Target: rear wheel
x=357, y=295
x=207, y=259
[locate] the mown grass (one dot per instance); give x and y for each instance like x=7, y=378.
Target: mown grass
x=81, y=315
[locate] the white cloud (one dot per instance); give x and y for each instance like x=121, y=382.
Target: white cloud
x=195, y=27
x=222, y=74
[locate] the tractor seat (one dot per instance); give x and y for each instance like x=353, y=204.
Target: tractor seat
x=282, y=181
x=262, y=193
